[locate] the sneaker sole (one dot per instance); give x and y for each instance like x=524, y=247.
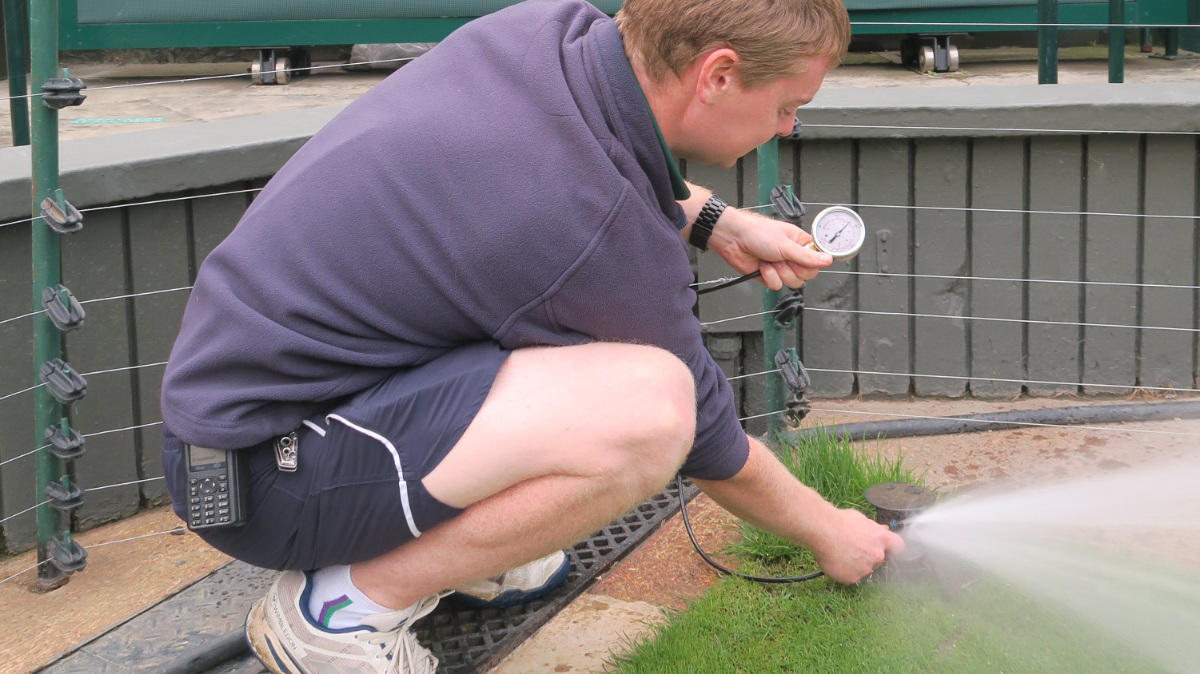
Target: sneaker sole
x=260, y=644
x=515, y=597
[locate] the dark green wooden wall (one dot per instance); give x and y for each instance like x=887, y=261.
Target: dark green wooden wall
x=156, y=247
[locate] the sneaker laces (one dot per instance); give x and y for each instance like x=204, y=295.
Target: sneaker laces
x=400, y=647
x=402, y=650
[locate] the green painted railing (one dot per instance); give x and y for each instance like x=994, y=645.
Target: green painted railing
x=47, y=341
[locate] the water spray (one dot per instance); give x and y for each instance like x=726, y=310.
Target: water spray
x=1117, y=551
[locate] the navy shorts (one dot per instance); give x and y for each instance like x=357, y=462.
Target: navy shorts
x=357, y=492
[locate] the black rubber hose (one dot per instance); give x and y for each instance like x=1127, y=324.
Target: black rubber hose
x=209, y=655
x=727, y=284
x=1000, y=421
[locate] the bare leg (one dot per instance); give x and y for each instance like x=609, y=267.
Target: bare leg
x=568, y=439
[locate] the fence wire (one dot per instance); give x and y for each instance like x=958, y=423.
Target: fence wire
x=176, y=530
x=150, y=202
x=996, y=279
x=85, y=375
x=84, y=435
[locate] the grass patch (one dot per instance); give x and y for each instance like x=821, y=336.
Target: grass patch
x=820, y=626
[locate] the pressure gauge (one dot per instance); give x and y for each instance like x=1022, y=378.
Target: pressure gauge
x=839, y=231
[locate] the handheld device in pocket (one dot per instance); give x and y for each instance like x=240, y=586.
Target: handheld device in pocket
x=216, y=482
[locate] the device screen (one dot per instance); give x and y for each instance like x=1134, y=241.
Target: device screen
x=203, y=457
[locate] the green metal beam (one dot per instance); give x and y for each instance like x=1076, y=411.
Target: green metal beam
x=1047, y=13
x=16, y=24
x=768, y=177
x=1116, y=42
x=47, y=341
x=325, y=31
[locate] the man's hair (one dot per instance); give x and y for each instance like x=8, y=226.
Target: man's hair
x=770, y=36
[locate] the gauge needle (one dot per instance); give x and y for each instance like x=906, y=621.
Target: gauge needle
x=839, y=233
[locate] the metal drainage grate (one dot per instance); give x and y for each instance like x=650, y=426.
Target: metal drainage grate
x=467, y=639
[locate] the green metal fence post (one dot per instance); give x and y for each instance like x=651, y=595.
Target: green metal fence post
x=1047, y=11
x=1116, y=41
x=768, y=177
x=16, y=49
x=47, y=341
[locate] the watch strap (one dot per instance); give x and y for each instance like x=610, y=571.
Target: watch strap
x=702, y=228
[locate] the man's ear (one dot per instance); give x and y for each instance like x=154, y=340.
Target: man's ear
x=717, y=74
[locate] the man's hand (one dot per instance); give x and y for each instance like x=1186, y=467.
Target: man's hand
x=847, y=545
x=855, y=546
x=751, y=242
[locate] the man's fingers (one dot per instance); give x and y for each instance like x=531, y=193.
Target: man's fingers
x=808, y=256
x=893, y=543
x=770, y=275
x=803, y=273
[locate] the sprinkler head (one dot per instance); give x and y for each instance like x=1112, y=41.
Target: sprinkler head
x=895, y=502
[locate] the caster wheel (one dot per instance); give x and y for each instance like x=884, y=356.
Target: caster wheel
x=925, y=59
x=282, y=74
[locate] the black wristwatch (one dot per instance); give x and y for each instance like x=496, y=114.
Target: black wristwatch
x=702, y=228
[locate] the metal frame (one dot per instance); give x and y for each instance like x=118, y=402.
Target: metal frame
x=74, y=35
x=1136, y=11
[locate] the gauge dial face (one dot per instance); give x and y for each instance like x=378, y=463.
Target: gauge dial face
x=839, y=231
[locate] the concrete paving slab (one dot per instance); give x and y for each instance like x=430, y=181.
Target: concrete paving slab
x=584, y=636
x=190, y=627
x=121, y=580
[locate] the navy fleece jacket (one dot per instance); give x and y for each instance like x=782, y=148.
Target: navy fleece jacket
x=508, y=186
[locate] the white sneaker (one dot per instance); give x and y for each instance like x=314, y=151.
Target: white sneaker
x=287, y=641
x=519, y=585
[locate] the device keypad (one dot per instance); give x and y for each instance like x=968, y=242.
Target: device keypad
x=208, y=502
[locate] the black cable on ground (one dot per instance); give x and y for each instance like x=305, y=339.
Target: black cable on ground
x=687, y=524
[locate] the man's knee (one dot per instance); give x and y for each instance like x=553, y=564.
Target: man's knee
x=658, y=390
x=663, y=389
